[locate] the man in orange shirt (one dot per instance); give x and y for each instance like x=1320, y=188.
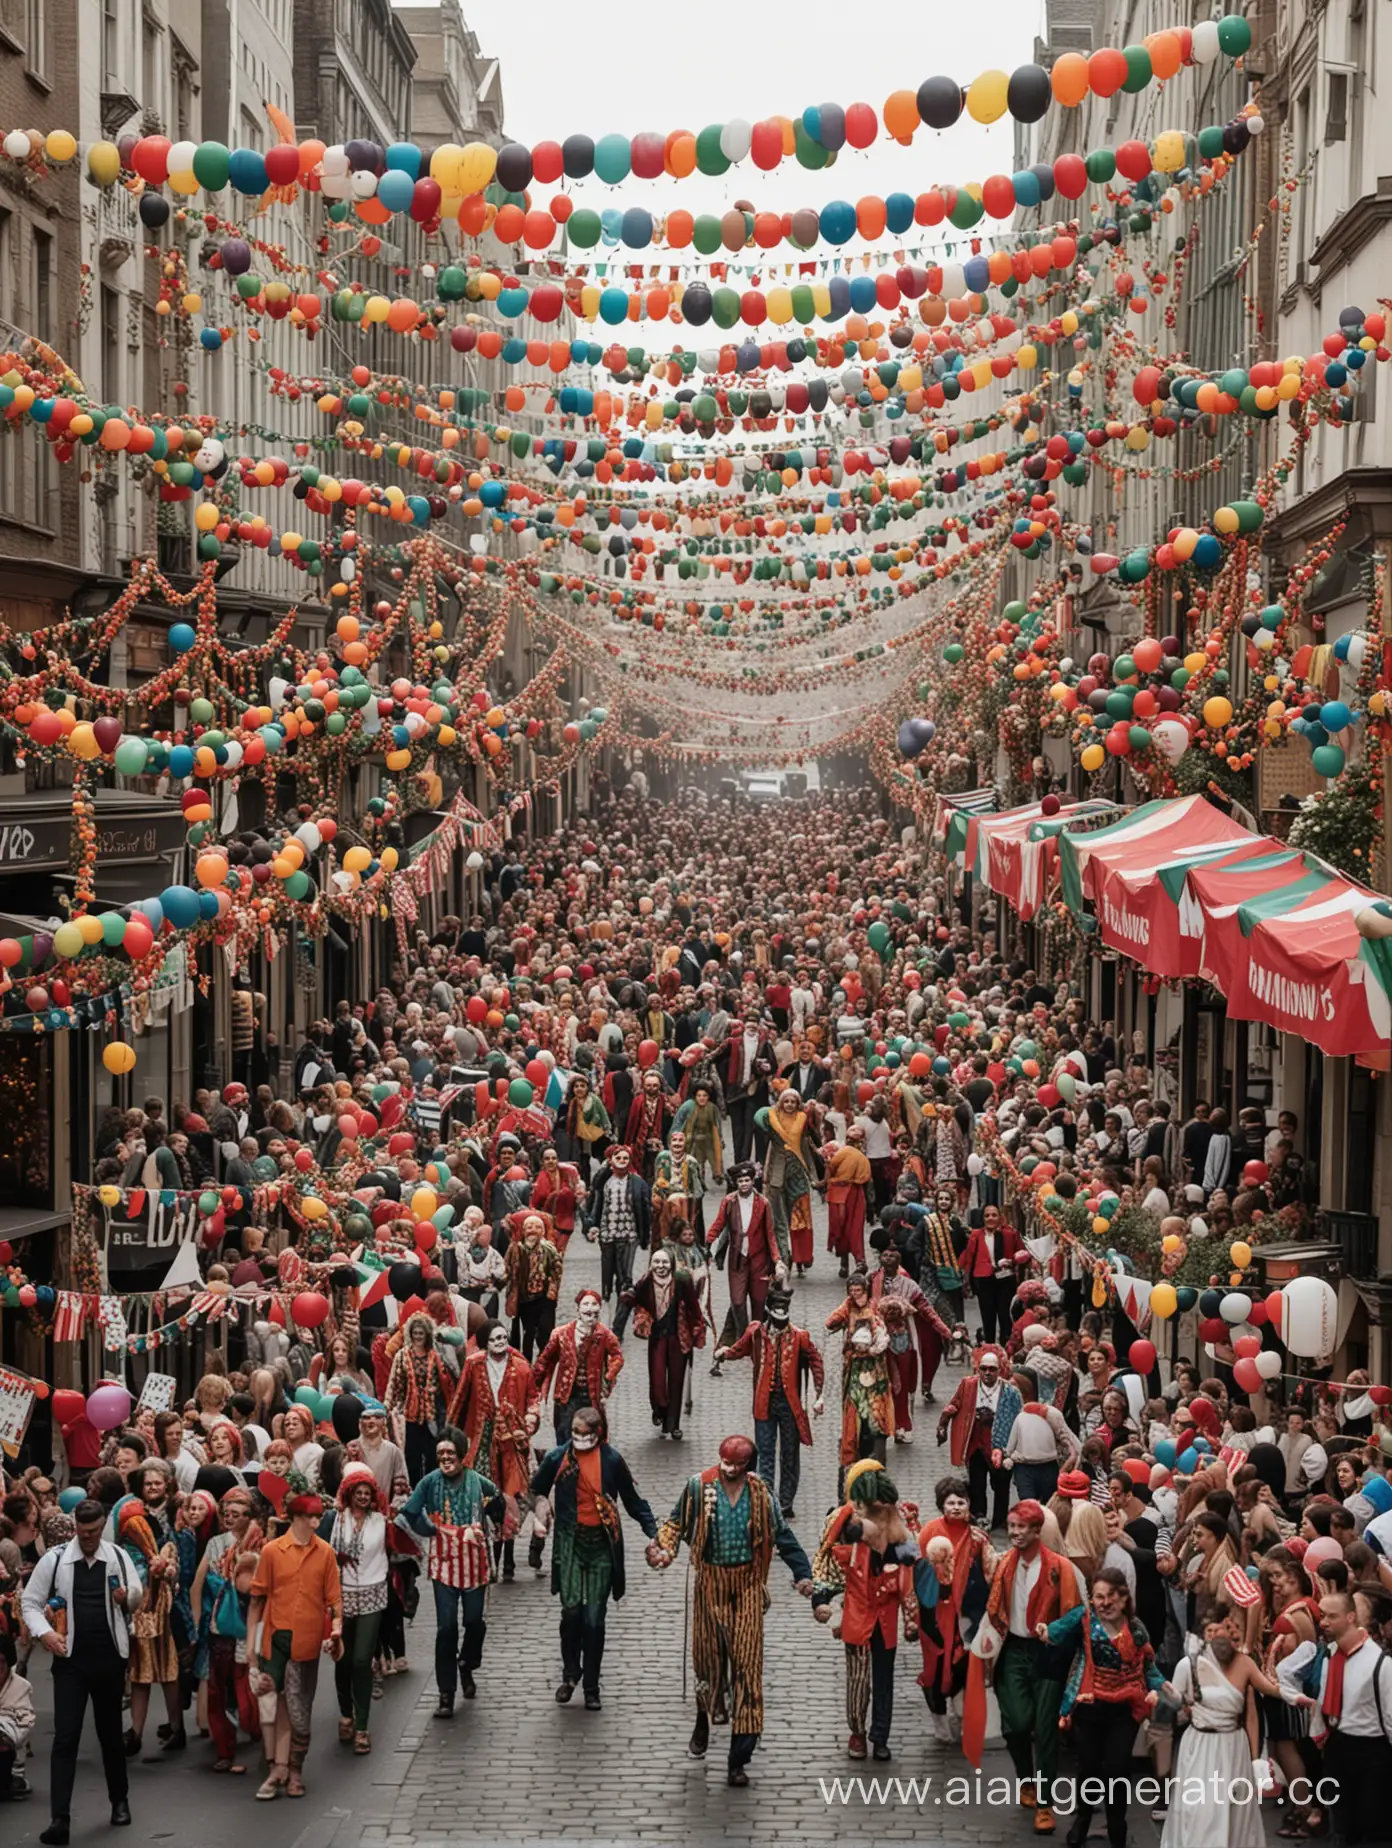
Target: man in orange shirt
x=295, y=1590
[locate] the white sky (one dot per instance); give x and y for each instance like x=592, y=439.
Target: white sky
x=629, y=66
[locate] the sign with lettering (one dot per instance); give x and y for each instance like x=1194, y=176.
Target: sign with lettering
x=38, y=841
x=16, y=1406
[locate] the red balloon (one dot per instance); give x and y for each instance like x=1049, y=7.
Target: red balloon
x=1256, y=1315
x=68, y=1406
x=1246, y=1375
x=1213, y=1328
x=477, y=1009
x=862, y=125
x=1255, y=1174
x=647, y=1053
x=400, y=1143
x=1380, y=1395
x=425, y=1235
x=283, y=164
x=548, y=162
x=864, y=1091
x=1142, y=1356
x=304, y=1160
x=537, y=1074
x=1275, y=1310
x=766, y=145
x=1133, y=160
x=309, y=1308
x=1247, y=1347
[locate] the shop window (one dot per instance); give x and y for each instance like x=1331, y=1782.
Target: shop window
x=26, y=1110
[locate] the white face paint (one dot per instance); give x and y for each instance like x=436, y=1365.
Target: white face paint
x=498, y=1343
x=956, y=1508
x=587, y=1313
x=662, y=1266
x=584, y=1440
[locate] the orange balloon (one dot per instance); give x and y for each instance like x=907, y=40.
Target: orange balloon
x=870, y=211
x=472, y=212
x=1166, y=53
x=372, y=211
x=680, y=226
x=901, y=115
x=311, y=153
x=680, y=155
x=403, y=315
x=508, y=224
x=1070, y=78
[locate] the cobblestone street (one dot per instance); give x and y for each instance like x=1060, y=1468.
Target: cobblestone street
x=514, y=1768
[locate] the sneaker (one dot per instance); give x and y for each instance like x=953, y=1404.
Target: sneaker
x=881, y=1754
x=1043, y=1820
x=855, y=1747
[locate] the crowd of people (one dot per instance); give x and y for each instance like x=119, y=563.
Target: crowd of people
x=669, y=1032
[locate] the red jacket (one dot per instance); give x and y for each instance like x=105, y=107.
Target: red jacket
x=561, y=1200
x=691, y=1325
x=603, y=1363
x=976, y=1259
x=870, y=1600
x=759, y=1251
x=736, y=1058
x=792, y=1346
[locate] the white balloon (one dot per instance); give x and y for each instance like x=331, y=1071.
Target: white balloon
x=181, y=156
x=954, y=282
x=1311, y=1319
x=1198, y=1228
x=474, y=862
x=335, y=160
x=1267, y=1363
x=735, y=138
x=1204, y=42
x=974, y=1164
x=1235, y=1308
x=364, y=184
x=17, y=144
x=1171, y=739
x=1255, y=124
x=278, y=689
x=309, y=837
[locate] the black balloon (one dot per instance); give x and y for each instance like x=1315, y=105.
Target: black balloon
x=347, y=1416
x=514, y=167
x=696, y=305
x=154, y=210
x=833, y=125
x=577, y=157
x=404, y=1281
x=939, y=101
x=1028, y=93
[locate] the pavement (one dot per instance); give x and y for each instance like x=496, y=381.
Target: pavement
x=521, y=1771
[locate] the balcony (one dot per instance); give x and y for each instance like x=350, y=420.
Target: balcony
x=1356, y=1235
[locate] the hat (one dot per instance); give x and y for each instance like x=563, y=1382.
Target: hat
x=1378, y=1490
x=1034, y=1334
x=1238, y=1589
x=306, y=1504
x=1074, y=1485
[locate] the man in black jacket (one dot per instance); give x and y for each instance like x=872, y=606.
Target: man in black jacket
x=619, y=1209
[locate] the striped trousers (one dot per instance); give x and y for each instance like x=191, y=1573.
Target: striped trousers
x=727, y=1642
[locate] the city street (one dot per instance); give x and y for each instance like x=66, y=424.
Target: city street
x=515, y=1768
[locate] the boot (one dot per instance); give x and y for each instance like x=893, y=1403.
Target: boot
x=700, y=1736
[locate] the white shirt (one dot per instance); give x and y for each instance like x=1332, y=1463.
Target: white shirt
x=1359, y=1716
x=1026, y=1578
x=745, y=1207
x=751, y=1046
x=496, y=1370
x=879, y=1145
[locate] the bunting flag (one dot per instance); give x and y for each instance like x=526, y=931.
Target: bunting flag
x=70, y=1320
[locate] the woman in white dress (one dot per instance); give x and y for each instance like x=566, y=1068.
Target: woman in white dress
x=1214, y=1801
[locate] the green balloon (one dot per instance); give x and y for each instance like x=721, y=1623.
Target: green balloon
x=966, y=211
x=297, y=885
x=708, y=155
x=1101, y=163
x=520, y=1094
x=583, y=228
x=725, y=308
x=1234, y=35
x=1139, y=73
x=611, y=160
x=210, y=166
x=1210, y=142
x=132, y=755
x=878, y=935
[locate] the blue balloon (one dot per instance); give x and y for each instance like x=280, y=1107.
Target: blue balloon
x=396, y=189
x=637, y=228
x=152, y=910
x=1165, y=1453
x=181, y=637
x=837, y=221
x=1026, y=185
x=613, y=307
x=180, y=760
x=420, y=509
x=863, y=296
x=207, y=905
x=403, y=157
x=1335, y=716
x=579, y=352
x=832, y=123
x=899, y=212
x=1208, y=553
x=69, y=1498
x=812, y=121
x=512, y=302
x=514, y=351
x=180, y=906
x=839, y=289
x=246, y=170
x=976, y=272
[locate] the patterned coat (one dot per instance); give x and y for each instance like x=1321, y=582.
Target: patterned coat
x=792, y=1347
x=691, y=1324
x=530, y=1266
x=959, y=1419
x=497, y=1431
x=603, y=1363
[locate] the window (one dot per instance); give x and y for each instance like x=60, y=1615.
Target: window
x=35, y=37
x=1336, y=115
x=41, y=286
x=111, y=44
x=251, y=136
x=151, y=96
x=111, y=345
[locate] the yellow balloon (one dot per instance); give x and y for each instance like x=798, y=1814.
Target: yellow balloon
x=109, y=1195
x=104, y=162
x=424, y=1202
x=1169, y=151
x=1163, y=1301
x=1171, y=1244
x=118, y=1057
x=1027, y=357
x=312, y=1207
x=986, y=99
x=357, y=859
x=1093, y=757
x=205, y=516
x=59, y=145
x=1217, y=711
x=1241, y=1253
x=780, y=306
x=185, y=182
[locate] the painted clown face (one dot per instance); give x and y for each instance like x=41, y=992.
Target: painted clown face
x=497, y=1343
x=587, y=1313
x=662, y=1266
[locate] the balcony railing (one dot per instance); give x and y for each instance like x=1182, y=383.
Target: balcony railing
x=1356, y=1234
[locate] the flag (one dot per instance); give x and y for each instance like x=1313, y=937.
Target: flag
x=71, y=1319
x=372, y=1283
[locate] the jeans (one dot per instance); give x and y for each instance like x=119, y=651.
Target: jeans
x=101, y=1677
x=535, y=1320
x=616, y=1275
x=450, y=1654
x=353, y=1669
x=419, y=1451
x=582, y=1644
x=1103, y=1734
x=980, y=1475
x=780, y=1425
x=1035, y=1481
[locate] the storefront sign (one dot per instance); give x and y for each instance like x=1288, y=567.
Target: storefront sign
x=16, y=1405
x=39, y=842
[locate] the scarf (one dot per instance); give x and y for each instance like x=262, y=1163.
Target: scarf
x=789, y=1130
x=940, y=1248
x=1055, y=1575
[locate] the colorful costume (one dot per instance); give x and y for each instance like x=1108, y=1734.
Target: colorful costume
x=497, y=1422
x=958, y=1588
x=450, y=1512
x=1027, y=1692
x=732, y=1545
x=668, y=1316
x=779, y=1357
x=877, y=1589
x=848, y=1181
x=867, y=1406
x=700, y=1124
x=586, y=1368
x=789, y=1172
